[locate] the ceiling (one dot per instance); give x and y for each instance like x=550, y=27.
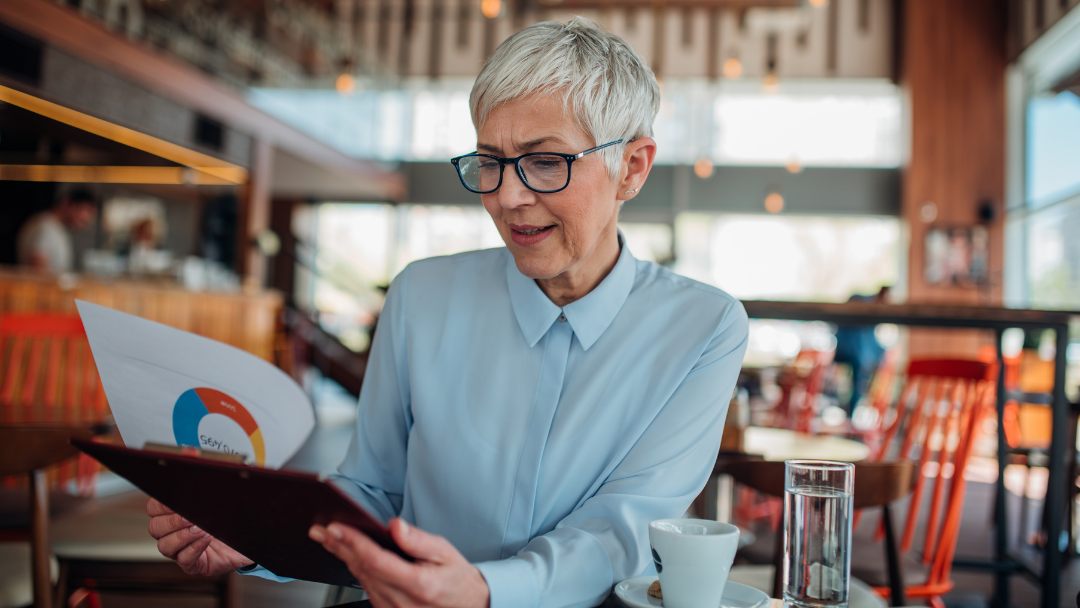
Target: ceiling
x=309, y=43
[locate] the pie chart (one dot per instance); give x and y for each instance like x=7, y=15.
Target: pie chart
x=209, y=419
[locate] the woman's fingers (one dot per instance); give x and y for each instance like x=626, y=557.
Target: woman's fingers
x=192, y=558
x=163, y=525
x=154, y=508
x=170, y=545
x=420, y=544
x=361, y=554
x=441, y=576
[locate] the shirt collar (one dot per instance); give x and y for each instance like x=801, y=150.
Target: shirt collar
x=588, y=317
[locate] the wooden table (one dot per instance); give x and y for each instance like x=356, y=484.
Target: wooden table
x=784, y=444
x=778, y=445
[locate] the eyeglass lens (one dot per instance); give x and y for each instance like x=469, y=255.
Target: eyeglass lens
x=544, y=172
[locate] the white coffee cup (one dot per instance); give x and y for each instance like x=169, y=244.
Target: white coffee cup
x=693, y=558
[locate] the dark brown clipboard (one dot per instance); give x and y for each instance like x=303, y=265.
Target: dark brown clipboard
x=263, y=513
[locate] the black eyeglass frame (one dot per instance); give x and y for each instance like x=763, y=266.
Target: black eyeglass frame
x=570, y=158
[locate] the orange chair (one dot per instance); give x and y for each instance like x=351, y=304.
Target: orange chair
x=934, y=424
x=47, y=375
x=800, y=385
x=1029, y=385
x=868, y=423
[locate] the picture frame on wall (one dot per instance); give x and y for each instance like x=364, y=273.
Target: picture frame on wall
x=956, y=256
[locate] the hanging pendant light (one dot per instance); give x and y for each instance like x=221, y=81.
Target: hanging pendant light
x=703, y=167
x=345, y=83
x=771, y=82
x=732, y=67
x=490, y=8
x=774, y=202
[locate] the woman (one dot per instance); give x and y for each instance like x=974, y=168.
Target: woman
x=529, y=409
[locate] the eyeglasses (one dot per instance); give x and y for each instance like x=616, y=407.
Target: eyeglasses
x=543, y=172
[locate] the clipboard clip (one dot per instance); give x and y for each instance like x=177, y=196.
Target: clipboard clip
x=187, y=450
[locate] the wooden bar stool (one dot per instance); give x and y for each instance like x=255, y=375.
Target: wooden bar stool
x=28, y=450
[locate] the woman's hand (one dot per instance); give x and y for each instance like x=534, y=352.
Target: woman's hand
x=193, y=549
x=440, y=576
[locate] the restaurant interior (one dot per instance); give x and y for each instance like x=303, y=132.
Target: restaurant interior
x=888, y=186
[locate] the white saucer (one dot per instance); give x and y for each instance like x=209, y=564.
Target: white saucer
x=634, y=593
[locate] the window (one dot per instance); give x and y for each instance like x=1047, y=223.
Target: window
x=1053, y=272
x=843, y=126
x=789, y=257
x=343, y=256
x=1043, y=252
x=842, y=123
x=1053, y=151
x=431, y=230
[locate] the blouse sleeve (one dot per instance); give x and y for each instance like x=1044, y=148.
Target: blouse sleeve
x=373, y=470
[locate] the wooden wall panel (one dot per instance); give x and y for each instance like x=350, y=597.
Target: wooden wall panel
x=953, y=69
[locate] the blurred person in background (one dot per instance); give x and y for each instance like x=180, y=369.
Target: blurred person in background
x=858, y=347
x=44, y=241
x=141, y=247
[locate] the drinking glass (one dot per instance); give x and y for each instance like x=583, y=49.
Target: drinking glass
x=817, y=532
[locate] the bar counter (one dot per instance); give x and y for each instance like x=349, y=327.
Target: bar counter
x=247, y=320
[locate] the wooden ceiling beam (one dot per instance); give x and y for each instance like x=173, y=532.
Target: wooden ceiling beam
x=631, y=4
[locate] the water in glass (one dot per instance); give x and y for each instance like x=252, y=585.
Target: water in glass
x=817, y=546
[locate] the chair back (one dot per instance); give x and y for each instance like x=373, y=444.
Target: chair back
x=876, y=483
x=934, y=423
x=47, y=375
x=800, y=385
x=1029, y=386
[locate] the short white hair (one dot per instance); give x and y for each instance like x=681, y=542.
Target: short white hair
x=608, y=88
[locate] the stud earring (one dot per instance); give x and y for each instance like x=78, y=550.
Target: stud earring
x=631, y=191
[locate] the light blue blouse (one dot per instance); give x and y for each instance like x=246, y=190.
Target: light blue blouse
x=542, y=441
x=539, y=440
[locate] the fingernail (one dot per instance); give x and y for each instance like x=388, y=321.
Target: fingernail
x=316, y=534
x=404, y=528
x=195, y=529
x=335, y=532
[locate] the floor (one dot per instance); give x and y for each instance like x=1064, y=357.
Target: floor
x=976, y=543
x=335, y=414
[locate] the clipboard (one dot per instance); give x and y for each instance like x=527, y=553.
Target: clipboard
x=263, y=513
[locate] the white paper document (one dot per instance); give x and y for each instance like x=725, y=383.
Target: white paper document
x=173, y=387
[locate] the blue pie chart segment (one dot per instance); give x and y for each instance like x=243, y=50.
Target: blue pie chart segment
x=187, y=413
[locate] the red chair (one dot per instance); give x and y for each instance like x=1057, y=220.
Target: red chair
x=47, y=375
x=935, y=423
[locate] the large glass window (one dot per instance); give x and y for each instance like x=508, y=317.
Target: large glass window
x=855, y=127
x=789, y=257
x=343, y=256
x=843, y=123
x=1042, y=248
x=1053, y=148
x=425, y=231
x=1054, y=257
